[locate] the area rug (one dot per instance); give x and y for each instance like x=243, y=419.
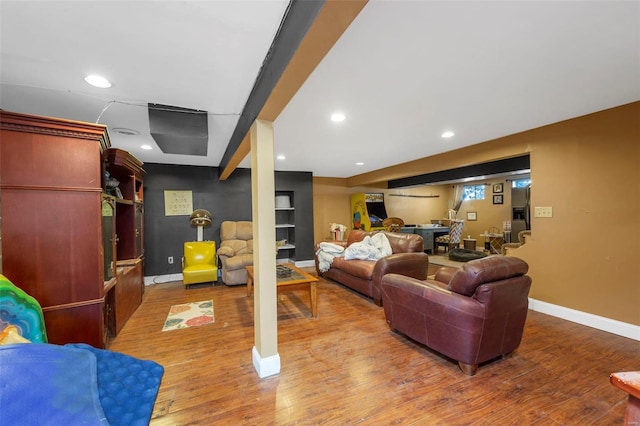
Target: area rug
x=189, y=315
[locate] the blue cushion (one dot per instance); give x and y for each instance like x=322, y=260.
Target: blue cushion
x=44, y=384
x=127, y=386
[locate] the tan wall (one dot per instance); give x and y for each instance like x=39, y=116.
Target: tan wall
x=588, y=169
x=331, y=204
x=331, y=201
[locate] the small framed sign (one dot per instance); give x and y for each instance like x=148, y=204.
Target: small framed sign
x=178, y=203
x=497, y=199
x=497, y=188
x=472, y=216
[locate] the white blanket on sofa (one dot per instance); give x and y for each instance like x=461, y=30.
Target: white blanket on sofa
x=326, y=252
x=370, y=248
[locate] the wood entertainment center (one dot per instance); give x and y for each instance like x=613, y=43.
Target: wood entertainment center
x=75, y=248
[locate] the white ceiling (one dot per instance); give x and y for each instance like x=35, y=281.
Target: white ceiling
x=403, y=72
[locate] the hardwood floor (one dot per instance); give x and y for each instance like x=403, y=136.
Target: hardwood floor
x=347, y=367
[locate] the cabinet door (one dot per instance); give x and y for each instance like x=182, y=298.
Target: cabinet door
x=427, y=236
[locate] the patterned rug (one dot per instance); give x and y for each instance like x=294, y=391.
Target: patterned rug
x=189, y=315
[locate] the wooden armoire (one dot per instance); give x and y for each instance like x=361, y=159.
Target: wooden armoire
x=58, y=226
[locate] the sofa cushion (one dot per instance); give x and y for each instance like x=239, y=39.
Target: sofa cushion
x=480, y=271
x=240, y=230
x=356, y=267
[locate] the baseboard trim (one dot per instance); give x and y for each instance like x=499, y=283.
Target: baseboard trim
x=590, y=320
x=266, y=367
x=159, y=279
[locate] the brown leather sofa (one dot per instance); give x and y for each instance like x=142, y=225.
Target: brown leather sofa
x=365, y=276
x=472, y=314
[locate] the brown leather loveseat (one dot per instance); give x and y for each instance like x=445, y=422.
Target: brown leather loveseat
x=365, y=276
x=472, y=314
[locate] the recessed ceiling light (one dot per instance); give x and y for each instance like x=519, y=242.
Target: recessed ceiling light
x=447, y=134
x=359, y=163
x=147, y=147
x=98, y=81
x=337, y=117
x=281, y=157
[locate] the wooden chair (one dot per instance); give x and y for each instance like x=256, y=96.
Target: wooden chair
x=452, y=239
x=493, y=243
x=393, y=224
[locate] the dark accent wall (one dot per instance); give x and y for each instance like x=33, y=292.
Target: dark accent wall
x=301, y=183
x=164, y=236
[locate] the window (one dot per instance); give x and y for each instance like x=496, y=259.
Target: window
x=473, y=192
x=520, y=183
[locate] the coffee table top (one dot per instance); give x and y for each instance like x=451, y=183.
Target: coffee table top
x=298, y=276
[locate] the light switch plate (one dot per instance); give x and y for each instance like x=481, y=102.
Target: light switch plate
x=543, y=212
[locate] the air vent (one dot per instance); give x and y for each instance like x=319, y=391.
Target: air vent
x=179, y=130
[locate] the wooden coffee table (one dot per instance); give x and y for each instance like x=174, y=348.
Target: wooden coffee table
x=298, y=277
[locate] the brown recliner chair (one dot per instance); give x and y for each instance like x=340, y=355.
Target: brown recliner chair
x=236, y=251
x=472, y=314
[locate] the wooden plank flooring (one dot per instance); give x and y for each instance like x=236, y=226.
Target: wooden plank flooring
x=346, y=367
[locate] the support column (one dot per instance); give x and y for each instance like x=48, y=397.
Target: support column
x=266, y=359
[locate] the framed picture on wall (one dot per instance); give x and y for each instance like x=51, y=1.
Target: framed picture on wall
x=472, y=216
x=497, y=188
x=497, y=199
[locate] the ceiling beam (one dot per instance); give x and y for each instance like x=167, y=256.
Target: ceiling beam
x=307, y=34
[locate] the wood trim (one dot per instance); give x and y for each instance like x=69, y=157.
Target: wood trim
x=49, y=188
x=332, y=21
x=73, y=305
x=55, y=127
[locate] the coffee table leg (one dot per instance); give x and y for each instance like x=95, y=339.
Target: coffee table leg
x=249, y=284
x=313, y=292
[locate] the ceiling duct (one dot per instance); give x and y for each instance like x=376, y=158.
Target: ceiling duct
x=179, y=130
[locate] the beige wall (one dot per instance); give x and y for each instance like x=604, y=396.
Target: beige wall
x=588, y=169
x=332, y=203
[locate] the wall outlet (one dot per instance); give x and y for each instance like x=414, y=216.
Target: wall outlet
x=543, y=212
x=170, y=260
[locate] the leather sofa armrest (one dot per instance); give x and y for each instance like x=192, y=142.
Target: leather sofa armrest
x=413, y=265
x=445, y=274
x=336, y=242
x=342, y=244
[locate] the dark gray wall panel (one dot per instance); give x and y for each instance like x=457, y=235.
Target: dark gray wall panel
x=164, y=236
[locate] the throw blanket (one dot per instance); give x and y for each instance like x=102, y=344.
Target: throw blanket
x=370, y=248
x=326, y=252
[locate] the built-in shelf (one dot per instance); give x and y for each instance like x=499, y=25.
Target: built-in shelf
x=285, y=226
x=287, y=247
